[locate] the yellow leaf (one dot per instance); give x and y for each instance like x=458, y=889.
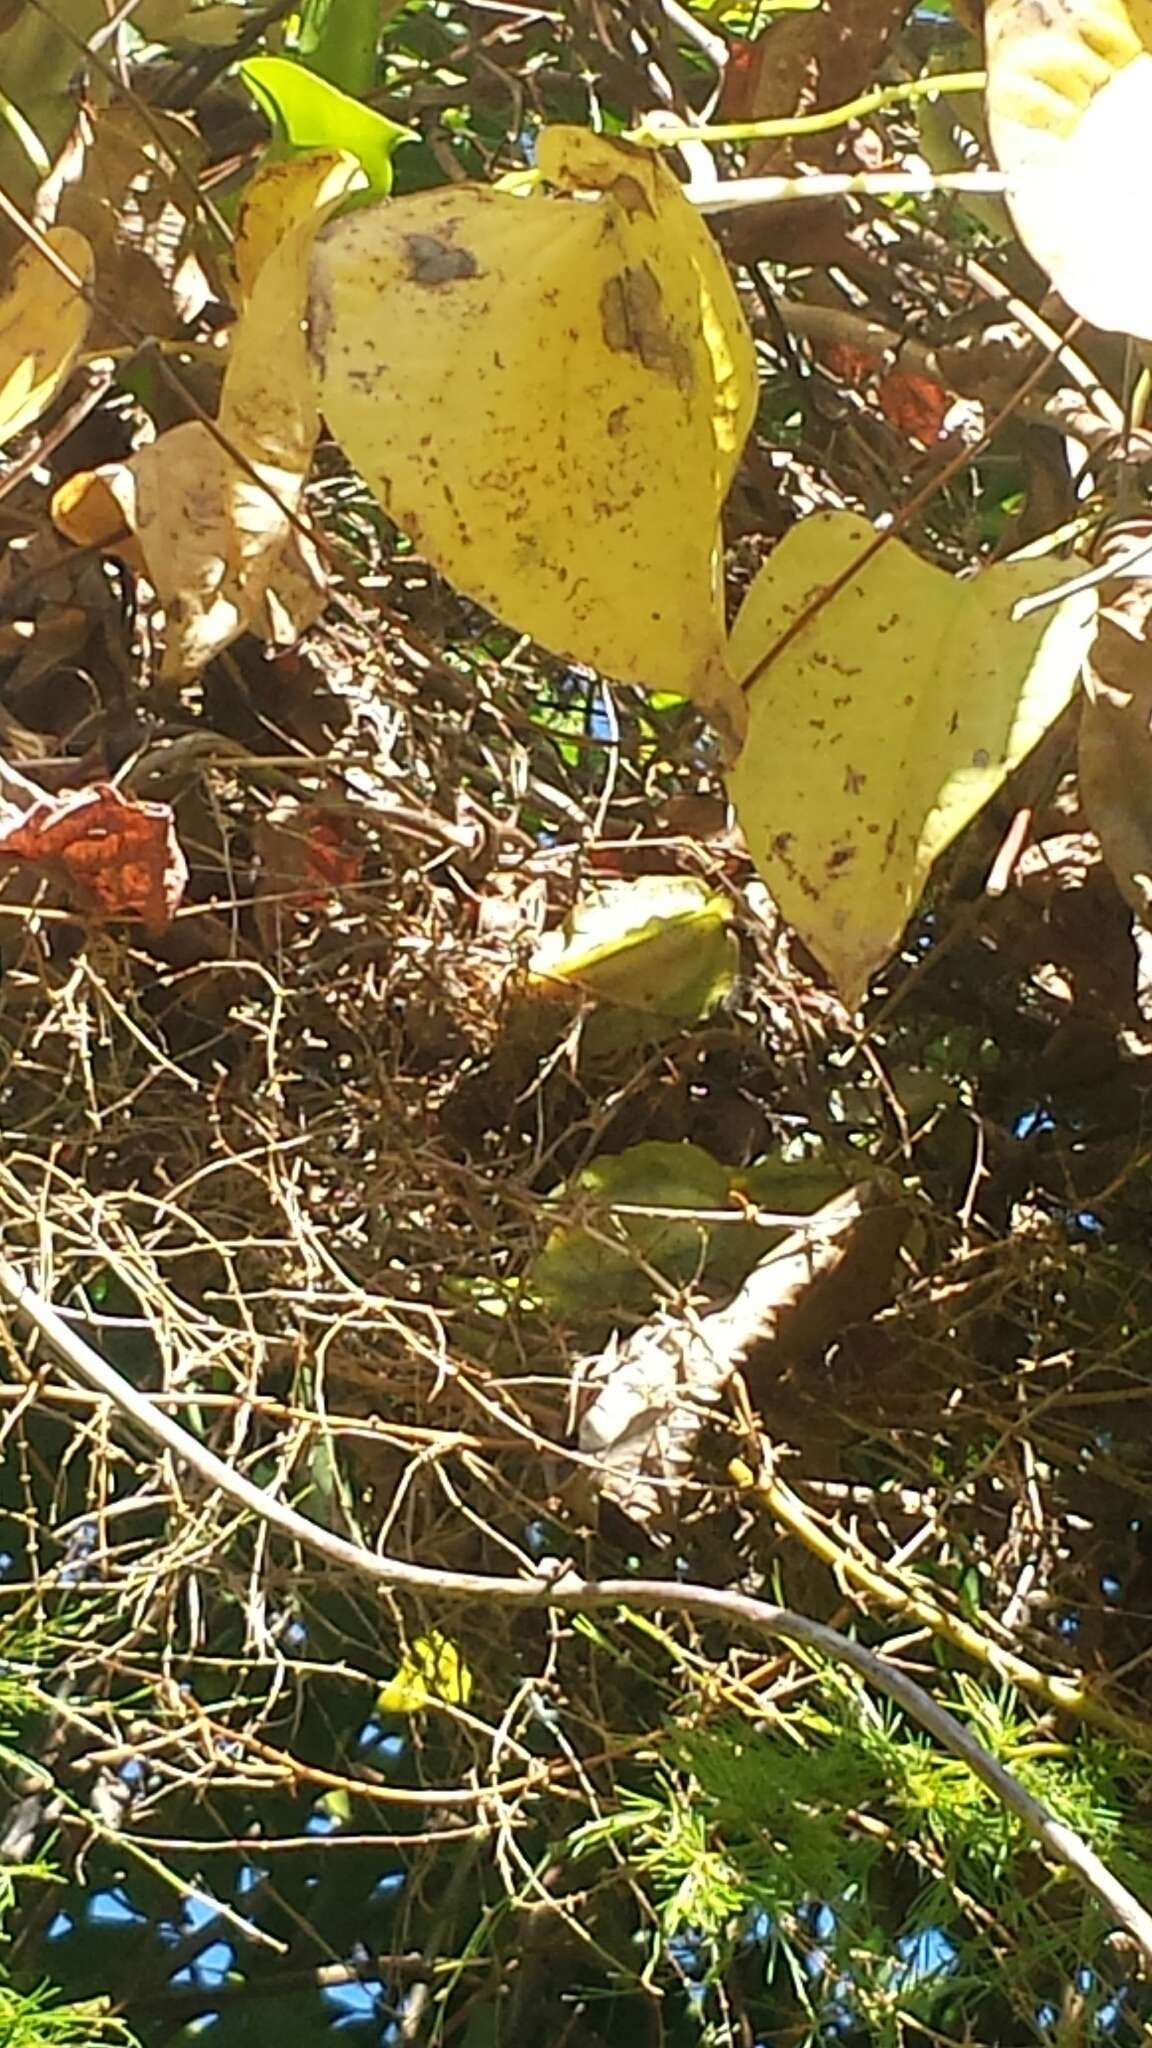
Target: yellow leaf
x=279, y=196
x=431, y=1669
x=550, y=396
x=885, y=724
x=662, y=944
x=1070, y=117
x=211, y=519
x=43, y=322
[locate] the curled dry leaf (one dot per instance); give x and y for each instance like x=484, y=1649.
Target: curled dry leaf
x=881, y=720
x=44, y=317
x=550, y=396
x=209, y=517
x=1070, y=116
x=120, y=857
x=646, y=1400
x=129, y=186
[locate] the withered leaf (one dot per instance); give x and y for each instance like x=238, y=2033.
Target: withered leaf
x=647, y=1399
x=120, y=857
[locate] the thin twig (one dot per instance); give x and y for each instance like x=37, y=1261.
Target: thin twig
x=557, y=1585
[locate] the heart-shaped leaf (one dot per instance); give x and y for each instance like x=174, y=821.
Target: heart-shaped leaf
x=550, y=396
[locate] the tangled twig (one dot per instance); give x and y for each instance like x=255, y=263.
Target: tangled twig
x=557, y=1585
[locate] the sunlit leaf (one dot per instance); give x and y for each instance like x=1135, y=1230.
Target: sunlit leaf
x=431, y=1669
x=209, y=518
x=280, y=196
x=118, y=857
x=307, y=112
x=1070, y=116
x=550, y=396
x=43, y=321
x=884, y=723
x=660, y=944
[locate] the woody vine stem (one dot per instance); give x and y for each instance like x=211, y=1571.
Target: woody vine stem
x=563, y=1588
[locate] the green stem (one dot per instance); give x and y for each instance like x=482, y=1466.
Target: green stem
x=660, y=132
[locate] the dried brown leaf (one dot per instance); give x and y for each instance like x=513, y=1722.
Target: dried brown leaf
x=650, y=1395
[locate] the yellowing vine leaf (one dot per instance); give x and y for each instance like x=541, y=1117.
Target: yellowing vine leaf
x=1070, y=116
x=885, y=724
x=210, y=519
x=662, y=944
x=43, y=322
x=550, y=397
x=282, y=194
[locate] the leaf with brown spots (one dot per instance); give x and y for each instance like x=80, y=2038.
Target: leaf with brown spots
x=550, y=395
x=888, y=701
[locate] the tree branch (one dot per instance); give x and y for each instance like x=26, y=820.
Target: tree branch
x=558, y=1586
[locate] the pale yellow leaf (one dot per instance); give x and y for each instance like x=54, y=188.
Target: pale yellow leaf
x=43, y=321
x=885, y=723
x=1070, y=117
x=550, y=395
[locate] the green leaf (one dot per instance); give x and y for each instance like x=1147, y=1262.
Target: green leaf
x=338, y=39
x=662, y=944
x=882, y=719
x=307, y=112
x=582, y=1269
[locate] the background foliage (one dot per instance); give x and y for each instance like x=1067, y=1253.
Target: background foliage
x=379, y=1184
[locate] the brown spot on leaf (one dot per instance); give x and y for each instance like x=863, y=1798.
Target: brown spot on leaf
x=630, y=194
x=431, y=261
x=634, y=322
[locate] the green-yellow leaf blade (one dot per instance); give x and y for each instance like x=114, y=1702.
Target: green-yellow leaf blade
x=431, y=1669
x=307, y=112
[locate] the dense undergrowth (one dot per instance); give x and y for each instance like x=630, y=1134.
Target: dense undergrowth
x=321, y=1166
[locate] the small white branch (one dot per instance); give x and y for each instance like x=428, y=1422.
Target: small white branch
x=735, y=193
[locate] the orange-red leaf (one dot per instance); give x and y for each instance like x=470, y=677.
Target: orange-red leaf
x=916, y=406
x=122, y=858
